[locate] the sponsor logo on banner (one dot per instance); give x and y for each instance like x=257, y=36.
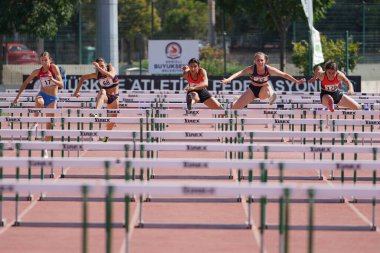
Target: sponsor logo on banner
x=195, y=165
x=173, y=50
x=188, y=134
x=102, y=120
x=192, y=121
x=341, y=166
x=319, y=149
x=281, y=121
x=372, y=122
x=270, y=112
x=40, y=163
x=12, y=119
x=195, y=148
x=84, y=133
x=34, y=111
x=198, y=190
x=113, y=111
x=73, y=147
x=349, y=113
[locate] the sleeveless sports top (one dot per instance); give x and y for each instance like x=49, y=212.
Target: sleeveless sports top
x=328, y=85
x=44, y=77
x=106, y=82
x=256, y=78
x=194, y=82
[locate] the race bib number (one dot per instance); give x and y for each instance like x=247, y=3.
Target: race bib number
x=331, y=87
x=260, y=79
x=105, y=82
x=46, y=81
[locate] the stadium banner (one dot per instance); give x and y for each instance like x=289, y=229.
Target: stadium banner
x=169, y=56
x=177, y=83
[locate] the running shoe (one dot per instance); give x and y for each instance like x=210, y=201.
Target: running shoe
x=188, y=101
x=272, y=99
x=330, y=104
x=104, y=139
x=46, y=155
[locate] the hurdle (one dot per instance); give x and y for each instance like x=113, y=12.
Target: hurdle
x=241, y=122
x=149, y=148
x=265, y=190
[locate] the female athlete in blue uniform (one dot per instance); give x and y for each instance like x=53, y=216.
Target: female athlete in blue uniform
x=49, y=79
x=109, y=88
x=259, y=74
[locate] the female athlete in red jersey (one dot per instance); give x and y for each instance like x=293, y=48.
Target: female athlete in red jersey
x=259, y=74
x=197, y=88
x=330, y=93
x=50, y=80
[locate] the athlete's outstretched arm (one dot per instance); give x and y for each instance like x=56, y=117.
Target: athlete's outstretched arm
x=111, y=73
x=278, y=72
x=81, y=80
x=343, y=77
x=24, y=84
x=318, y=74
x=236, y=75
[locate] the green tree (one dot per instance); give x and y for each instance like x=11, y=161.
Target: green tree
x=41, y=18
x=275, y=15
x=184, y=19
x=332, y=50
x=135, y=18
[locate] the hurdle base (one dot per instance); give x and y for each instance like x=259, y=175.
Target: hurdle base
x=62, y=176
x=51, y=175
x=17, y=223
x=29, y=198
x=140, y=225
x=42, y=197
x=3, y=222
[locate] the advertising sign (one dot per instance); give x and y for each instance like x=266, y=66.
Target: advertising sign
x=168, y=56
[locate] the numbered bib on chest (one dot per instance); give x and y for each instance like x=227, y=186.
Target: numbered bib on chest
x=259, y=79
x=331, y=87
x=46, y=81
x=105, y=82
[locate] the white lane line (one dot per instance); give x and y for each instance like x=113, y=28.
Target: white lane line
x=354, y=208
x=132, y=225
x=255, y=229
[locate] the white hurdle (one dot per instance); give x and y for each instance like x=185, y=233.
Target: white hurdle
x=282, y=192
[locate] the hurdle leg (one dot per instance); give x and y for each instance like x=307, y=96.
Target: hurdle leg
x=141, y=223
x=262, y=221
x=2, y=220
x=311, y=221
x=127, y=201
x=109, y=219
x=249, y=202
x=17, y=219
x=84, y=218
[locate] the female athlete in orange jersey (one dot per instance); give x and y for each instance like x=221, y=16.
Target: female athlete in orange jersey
x=330, y=93
x=197, y=88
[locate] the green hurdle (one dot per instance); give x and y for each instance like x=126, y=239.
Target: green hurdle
x=84, y=217
x=109, y=219
x=2, y=221
x=310, y=227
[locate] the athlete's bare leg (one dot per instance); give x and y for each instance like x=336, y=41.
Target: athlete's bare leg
x=350, y=103
x=212, y=103
x=243, y=100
